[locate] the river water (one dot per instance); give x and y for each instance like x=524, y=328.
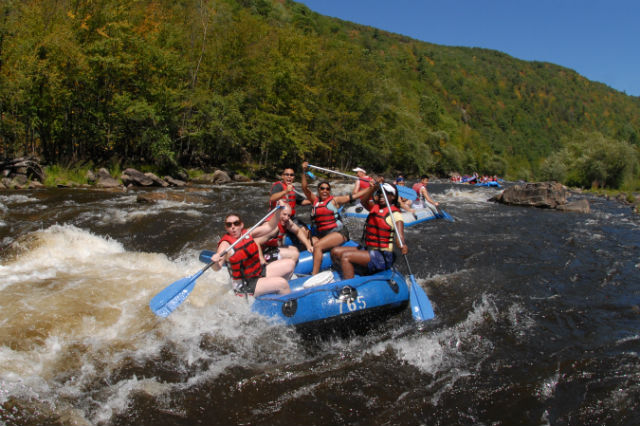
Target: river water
x=537, y=319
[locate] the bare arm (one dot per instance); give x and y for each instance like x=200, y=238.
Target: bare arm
x=305, y=185
x=425, y=194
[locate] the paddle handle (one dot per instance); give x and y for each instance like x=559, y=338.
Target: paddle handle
x=333, y=171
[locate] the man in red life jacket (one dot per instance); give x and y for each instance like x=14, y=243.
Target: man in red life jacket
x=274, y=248
x=250, y=274
x=379, y=234
x=284, y=189
x=421, y=191
x=363, y=182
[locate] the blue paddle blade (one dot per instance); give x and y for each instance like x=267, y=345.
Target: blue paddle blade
x=421, y=308
x=446, y=216
x=171, y=297
x=311, y=175
x=407, y=193
x=205, y=256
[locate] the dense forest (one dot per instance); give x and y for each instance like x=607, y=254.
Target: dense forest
x=257, y=84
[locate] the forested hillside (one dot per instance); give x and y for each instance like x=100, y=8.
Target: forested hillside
x=257, y=84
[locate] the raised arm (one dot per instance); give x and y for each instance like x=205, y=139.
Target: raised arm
x=305, y=185
x=263, y=232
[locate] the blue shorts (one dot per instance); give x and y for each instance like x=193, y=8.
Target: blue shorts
x=380, y=260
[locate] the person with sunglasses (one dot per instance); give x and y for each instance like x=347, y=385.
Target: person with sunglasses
x=283, y=189
x=250, y=274
x=330, y=231
x=379, y=235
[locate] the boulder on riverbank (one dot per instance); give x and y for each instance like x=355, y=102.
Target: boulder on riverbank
x=551, y=195
x=22, y=173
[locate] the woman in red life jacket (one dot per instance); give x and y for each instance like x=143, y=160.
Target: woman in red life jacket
x=421, y=190
x=363, y=182
x=330, y=231
x=284, y=189
x=273, y=248
x=249, y=272
x=379, y=234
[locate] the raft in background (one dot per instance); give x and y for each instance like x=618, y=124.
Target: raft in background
x=410, y=219
x=492, y=183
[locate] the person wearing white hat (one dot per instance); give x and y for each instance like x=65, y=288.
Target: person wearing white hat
x=363, y=182
x=379, y=235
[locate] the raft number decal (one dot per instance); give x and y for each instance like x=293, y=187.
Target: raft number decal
x=353, y=305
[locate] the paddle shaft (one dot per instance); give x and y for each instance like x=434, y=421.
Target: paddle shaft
x=333, y=171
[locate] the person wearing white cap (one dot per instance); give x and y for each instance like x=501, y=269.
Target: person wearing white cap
x=363, y=182
x=379, y=234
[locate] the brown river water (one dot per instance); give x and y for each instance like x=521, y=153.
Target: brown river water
x=537, y=319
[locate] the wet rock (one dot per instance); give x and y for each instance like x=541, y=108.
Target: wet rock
x=579, y=206
x=104, y=179
x=156, y=180
x=537, y=194
x=174, y=182
x=240, y=178
x=220, y=177
x=135, y=177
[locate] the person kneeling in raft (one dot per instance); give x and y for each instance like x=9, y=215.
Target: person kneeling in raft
x=377, y=255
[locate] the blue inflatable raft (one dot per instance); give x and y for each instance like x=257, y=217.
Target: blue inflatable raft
x=493, y=184
x=336, y=303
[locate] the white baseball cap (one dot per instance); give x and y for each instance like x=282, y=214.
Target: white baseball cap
x=359, y=169
x=388, y=188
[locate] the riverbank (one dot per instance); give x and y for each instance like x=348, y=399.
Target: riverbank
x=26, y=173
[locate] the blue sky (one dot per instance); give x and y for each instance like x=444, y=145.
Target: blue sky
x=598, y=39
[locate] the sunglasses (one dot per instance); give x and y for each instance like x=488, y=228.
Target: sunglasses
x=288, y=174
x=230, y=224
x=324, y=188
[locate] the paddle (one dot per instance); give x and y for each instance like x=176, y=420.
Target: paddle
x=333, y=171
x=173, y=295
x=421, y=308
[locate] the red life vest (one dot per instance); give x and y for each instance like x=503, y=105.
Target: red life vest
x=245, y=262
x=417, y=187
x=277, y=240
x=289, y=197
x=377, y=232
x=365, y=183
x=324, y=218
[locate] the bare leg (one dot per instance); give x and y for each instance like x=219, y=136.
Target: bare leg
x=338, y=252
x=325, y=243
x=350, y=258
x=281, y=268
x=272, y=285
x=289, y=252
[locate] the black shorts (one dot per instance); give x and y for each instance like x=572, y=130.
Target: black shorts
x=249, y=284
x=271, y=254
x=343, y=231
